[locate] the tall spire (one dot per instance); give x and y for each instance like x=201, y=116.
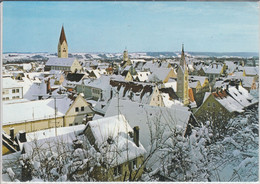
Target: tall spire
x=62, y=35
x=183, y=62
x=62, y=45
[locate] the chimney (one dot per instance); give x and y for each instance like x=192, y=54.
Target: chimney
x=22, y=136
x=237, y=84
x=136, y=135
x=48, y=86
x=12, y=133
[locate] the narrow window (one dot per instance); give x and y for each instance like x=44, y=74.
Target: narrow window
x=213, y=104
x=76, y=109
x=208, y=104
x=82, y=108
x=118, y=170
x=17, y=90
x=13, y=91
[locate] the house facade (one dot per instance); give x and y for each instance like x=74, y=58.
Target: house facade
x=11, y=89
x=38, y=115
x=123, y=156
x=224, y=104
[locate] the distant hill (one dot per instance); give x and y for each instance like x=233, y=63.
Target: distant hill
x=21, y=57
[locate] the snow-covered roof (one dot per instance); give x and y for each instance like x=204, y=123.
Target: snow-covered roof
x=160, y=73
x=231, y=66
x=202, y=79
x=242, y=96
x=250, y=70
x=52, y=143
x=10, y=83
x=193, y=84
x=103, y=82
x=247, y=81
x=144, y=116
x=169, y=103
x=34, y=110
x=143, y=76
x=213, y=69
x=116, y=129
x=43, y=134
x=31, y=88
x=220, y=84
x=206, y=96
x=172, y=83
x=230, y=104
x=55, y=61
x=233, y=99
x=136, y=91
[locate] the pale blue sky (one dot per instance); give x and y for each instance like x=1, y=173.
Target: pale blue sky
x=139, y=26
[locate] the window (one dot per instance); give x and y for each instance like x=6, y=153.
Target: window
x=213, y=104
x=17, y=90
x=82, y=108
x=76, y=109
x=133, y=164
x=208, y=104
x=118, y=170
x=5, y=91
x=70, y=124
x=13, y=90
x=158, y=98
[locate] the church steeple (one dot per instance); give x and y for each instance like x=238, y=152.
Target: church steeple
x=62, y=45
x=182, y=79
x=62, y=35
x=183, y=62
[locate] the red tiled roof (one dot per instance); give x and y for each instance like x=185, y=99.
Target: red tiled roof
x=191, y=97
x=220, y=94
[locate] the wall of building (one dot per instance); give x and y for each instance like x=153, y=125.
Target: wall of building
x=128, y=77
x=171, y=74
x=76, y=67
x=63, y=50
x=77, y=112
x=156, y=98
x=101, y=175
x=32, y=126
x=212, y=110
x=86, y=90
x=5, y=150
x=12, y=93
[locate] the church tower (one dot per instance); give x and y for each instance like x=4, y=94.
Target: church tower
x=125, y=56
x=182, y=80
x=62, y=45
